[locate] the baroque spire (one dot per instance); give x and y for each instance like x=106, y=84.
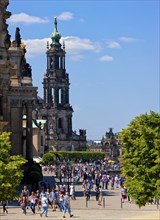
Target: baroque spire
x=55, y=36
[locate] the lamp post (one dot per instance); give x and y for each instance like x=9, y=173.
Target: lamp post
x=68, y=176
x=47, y=129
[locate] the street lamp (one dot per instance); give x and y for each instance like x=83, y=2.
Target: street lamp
x=68, y=175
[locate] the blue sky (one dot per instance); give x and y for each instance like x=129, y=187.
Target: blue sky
x=112, y=56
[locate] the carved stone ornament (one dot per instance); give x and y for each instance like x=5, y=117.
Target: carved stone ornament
x=5, y=37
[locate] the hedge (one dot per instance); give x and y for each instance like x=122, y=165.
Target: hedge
x=50, y=157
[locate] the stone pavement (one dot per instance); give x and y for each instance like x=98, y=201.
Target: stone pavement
x=109, y=210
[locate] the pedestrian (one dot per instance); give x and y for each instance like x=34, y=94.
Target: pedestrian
x=61, y=201
x=112, y=183
x=116, y=181
x=66, y=205
x=4, y=203
x=48, y=197
x=88, y=194
x=38, y=201
x=123, y=193
x=23, y=203
x=100, y=196
x=97, y=193
x=44, y=202
x=84, y=186
x=33, y=199
x=26, y=193
x=72, y=191
x=52, y=198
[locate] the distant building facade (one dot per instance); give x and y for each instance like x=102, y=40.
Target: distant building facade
x=110, y=144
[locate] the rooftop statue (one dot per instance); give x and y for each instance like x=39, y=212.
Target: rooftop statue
x=17, y=37
x=26, y=70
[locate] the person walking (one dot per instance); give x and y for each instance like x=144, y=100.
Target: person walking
x=32, y=200
x=72, y=191
x=100, y=196
x=38, y=201
x=97, y=193
x=61, y=200
x=66, y=205
x=4, y=203
x=116, y=181
x=44, y=202
x=23, y=203
x=123, y=193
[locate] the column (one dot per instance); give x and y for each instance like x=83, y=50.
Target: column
x=29, y=144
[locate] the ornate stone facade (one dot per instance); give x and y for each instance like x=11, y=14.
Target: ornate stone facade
x=17, y=94
x=56, y=108
x=111, y=145
x=19, y=104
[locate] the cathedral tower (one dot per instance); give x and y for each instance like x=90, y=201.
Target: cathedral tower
x=57, y=109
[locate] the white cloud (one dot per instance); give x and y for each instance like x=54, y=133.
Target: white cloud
x=106, y=58
x=75, y=47
x=65, y=16
x=75, y=57
x=76, y=44
x=113, y=44
x=127, y=39
x=35, y=47
x=26, y=19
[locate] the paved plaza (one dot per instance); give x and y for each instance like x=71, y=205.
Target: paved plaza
x=111, y=209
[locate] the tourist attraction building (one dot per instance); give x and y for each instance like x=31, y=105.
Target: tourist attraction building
x=56, y=108
x=17, y=94
x=33, y=121
x=110, y=144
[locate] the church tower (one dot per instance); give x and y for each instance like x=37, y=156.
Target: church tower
x=56, y=108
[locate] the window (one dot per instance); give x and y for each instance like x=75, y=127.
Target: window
x=60, y=123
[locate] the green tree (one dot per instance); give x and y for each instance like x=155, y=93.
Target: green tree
x=10, y=172
x=141, y=158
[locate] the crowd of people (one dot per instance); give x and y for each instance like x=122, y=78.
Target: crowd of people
x=92, y=177
x=57, y=197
